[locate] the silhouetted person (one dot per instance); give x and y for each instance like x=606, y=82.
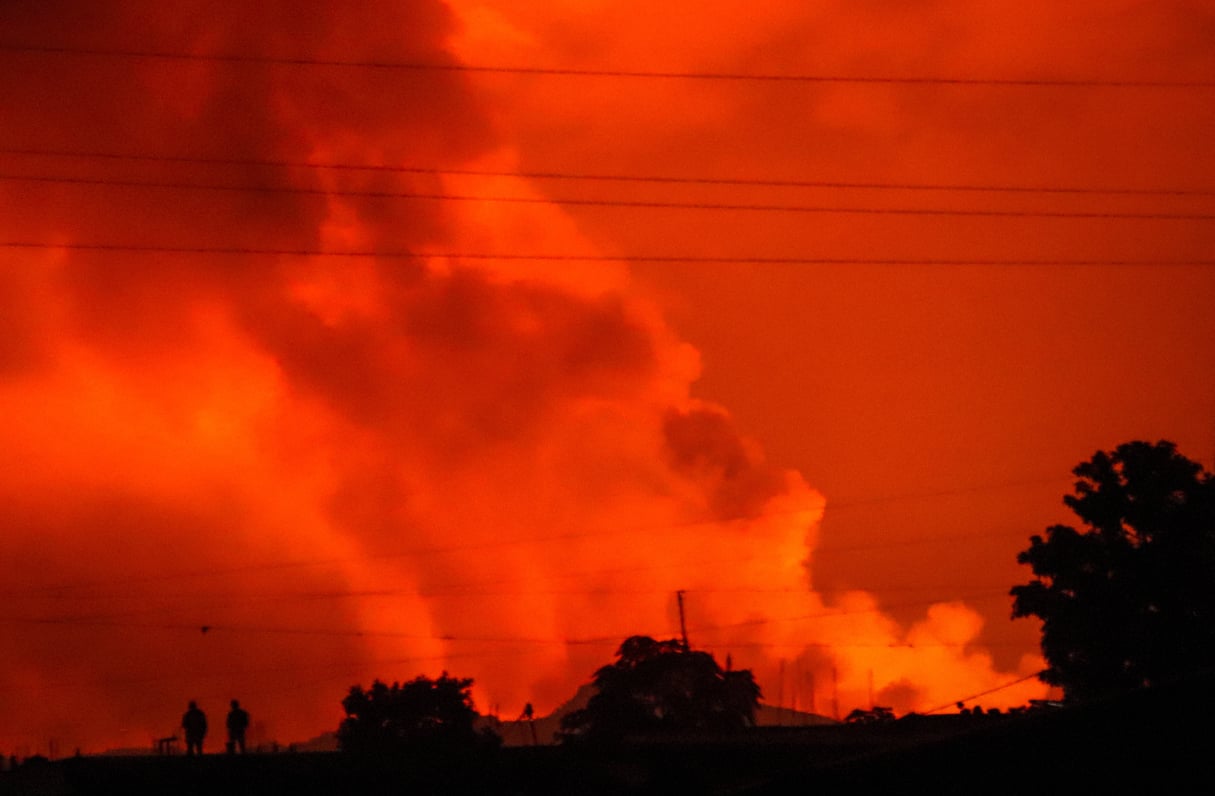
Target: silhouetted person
x=238, y=722
x=194, y=722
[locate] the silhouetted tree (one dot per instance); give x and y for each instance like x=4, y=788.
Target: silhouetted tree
x=661, y=686
x=1128, y=600
x=422, y=711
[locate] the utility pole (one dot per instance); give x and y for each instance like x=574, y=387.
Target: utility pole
x=797, y=681
x=683, y=627
x=835, y=693
x=780, y=685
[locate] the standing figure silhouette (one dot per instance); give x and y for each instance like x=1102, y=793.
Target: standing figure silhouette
x=238, y=722
x=194, y=722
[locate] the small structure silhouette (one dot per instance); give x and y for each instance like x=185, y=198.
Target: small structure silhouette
x=238, y=722
x=875, y=715
x=194, y=723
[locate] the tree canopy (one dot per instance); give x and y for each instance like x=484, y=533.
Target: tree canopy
x=660, y=686
x=387, y=718
x=1128, y=600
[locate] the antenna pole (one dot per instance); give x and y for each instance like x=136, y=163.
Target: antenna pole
x=683, y=627
x=835, y=693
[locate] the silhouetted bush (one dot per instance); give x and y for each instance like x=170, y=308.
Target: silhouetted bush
x=422, y=713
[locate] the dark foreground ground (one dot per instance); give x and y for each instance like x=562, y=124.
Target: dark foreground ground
x=1155, y=741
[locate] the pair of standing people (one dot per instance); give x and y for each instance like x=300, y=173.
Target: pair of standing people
x=194, y=723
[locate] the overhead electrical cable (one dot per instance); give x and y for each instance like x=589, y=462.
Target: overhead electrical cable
x=578, y=176
x=637, y=204
x=70, y=591
x=476, y=592
x=245, y=600
x=130, y=248
x=123, y=621
x=118, y=622
x=357, y=666
x=286, y=565
x=1001, y=687
x=739, y=77
x=56, y=590
x=986, y=594
x=578, y=536
x=347, y=664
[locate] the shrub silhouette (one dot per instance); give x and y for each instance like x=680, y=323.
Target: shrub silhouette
x=422, y=712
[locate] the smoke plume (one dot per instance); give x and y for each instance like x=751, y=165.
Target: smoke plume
x=272, y=471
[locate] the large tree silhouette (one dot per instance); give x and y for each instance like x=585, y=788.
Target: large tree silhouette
x=1128, y=600
x=387, y=718
x=660, y=686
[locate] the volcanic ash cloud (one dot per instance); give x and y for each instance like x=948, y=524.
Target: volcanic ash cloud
x=272, y=472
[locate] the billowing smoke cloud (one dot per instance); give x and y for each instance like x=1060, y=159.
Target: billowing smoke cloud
x=269, y=476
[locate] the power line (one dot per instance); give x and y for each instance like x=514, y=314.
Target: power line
x=936, y=539
x=691, y=525
x=194, y=627
x=575, y=536
x=1009, y=684
x=476, y=588
x=352, y=665
x=740, y=77
x=572, y=536
x=987, y=594
x=345, y=665
x=52, y=590
x=129, y=248
x=951, y=492
x=120, y=622
x=408, y=554
x=433, y=590
x=254, y=598
x=620, y=178
x=455, y=592
x=636, y=204
x=910, y=645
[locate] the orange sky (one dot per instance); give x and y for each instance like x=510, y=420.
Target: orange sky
x=381, y=466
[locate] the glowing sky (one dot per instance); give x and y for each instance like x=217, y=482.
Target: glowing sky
x=356, y=467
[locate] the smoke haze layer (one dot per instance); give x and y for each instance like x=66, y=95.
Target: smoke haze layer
x=274, y=471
